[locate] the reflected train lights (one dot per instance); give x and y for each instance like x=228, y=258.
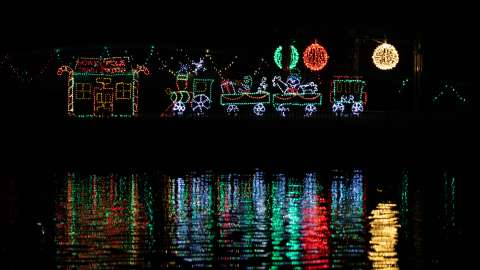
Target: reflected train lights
x=348, y=244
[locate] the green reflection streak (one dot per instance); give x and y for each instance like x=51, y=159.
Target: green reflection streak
x=293, y=227
x=277, y=226
x=133, y=219
x=247, y=220
x=148, y=197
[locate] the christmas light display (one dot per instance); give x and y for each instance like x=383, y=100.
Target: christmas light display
x=239, y=93
x=102, y=87
x=192, y=88
x=227, y=87
x=150, y=54
x=315, y=57
x=282, y=109
x=357, y=108
x=202, y=86
x=259, y=109
x=278, y=58
x=245, y=85
x=404, y=85
x=348, y=92
x=179, y=107
x=449, y=90
x=338, y=107
x=385, y=56
x=293, y=58
x=232, y=109
x=198, y=66
x=22, y=75
x=295, y=94
x=263, y=85
x=309, y=110
x=200, y=103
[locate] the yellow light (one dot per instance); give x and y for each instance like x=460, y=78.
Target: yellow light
x=384, y=230
x=385, y=56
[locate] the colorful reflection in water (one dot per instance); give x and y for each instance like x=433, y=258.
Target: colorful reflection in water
x=384, y=231
x=260, y=223
x=205, y=220
x=103, y=222
x=348, y=221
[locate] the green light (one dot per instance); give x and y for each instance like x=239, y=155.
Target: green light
x=244, y=98
x=278, y=230
x=293, y=227
x=349, y=87
x=294, y=57
x=277, y=57
x=203, y=86
x=294, y=99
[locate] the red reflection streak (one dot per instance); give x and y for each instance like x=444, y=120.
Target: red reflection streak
x=226, y=216
x=315, y=237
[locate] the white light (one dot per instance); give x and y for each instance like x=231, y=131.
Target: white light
x=385, y=56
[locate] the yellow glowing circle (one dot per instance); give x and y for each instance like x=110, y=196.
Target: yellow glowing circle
x=385, y=57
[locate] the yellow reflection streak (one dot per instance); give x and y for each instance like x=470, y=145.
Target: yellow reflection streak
x=384, y=230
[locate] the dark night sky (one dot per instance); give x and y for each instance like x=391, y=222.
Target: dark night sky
x=222, y=23
x=446, y=29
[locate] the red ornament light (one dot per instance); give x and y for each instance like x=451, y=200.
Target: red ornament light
x=315, y=57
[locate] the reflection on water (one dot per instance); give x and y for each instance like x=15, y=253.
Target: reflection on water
x=256, y=220
x=103, y=221
x=384, y=230
x=449, y=200
x=348, y=222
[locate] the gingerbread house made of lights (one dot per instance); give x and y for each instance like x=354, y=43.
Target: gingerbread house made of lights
x=102, y=87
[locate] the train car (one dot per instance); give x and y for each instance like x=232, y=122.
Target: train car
x=236, y=94
x=196, y=92
x=293, y=93
x=348, y=94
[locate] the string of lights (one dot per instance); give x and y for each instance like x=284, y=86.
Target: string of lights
x=403, y=86
x=447, y=89
x=22, y=75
